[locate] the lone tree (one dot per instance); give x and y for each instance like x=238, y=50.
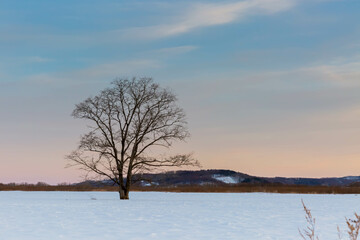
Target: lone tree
x=128, y=120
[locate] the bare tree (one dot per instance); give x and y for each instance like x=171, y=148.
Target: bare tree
x=128, y=120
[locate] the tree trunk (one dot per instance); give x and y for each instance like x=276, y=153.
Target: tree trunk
x=126, y=189
x=124, y=194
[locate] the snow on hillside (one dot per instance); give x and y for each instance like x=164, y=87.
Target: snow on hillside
x=352, y=178
x=226, y=179
x=168, y=216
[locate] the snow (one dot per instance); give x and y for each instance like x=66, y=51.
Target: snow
x=154, y=215
x=226, y=179
x=145, y=184
x=353, y=178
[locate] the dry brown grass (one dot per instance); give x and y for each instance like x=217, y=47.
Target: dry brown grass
x=238, y=188
x=45, y=187
x=246, y=188
x=308, y=233
x=353, y=227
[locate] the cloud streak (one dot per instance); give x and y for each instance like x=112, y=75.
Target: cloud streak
x=202, y=15
x=38, y=59
x=105, y=71
x=175, y=50
x=344, y=74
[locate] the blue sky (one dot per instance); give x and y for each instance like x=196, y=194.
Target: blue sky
x=270, y=87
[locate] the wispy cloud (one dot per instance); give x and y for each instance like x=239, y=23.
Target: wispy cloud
x=201, y=15
x=191, y=17
x=175, y=50
x=38, y=59
x=120, y=68
x=105, y=71
x=343, y=72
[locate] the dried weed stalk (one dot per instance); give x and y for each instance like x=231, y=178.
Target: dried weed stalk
x=353, y=227
x=309, y=231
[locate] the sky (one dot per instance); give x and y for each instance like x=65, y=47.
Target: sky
x=270, y=87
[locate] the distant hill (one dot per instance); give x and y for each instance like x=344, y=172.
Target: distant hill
x=225, y=177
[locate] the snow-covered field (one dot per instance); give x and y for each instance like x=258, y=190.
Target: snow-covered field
x=195, y=216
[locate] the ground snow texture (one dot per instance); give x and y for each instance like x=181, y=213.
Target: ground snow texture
x=195, y=216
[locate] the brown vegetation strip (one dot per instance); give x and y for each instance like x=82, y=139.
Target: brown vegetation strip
x=240, y=188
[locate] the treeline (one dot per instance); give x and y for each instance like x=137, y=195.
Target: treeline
x=248, y=188
x=230, y=188
x=60, y=187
